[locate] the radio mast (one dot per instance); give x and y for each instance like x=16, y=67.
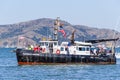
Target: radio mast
x=56, y=25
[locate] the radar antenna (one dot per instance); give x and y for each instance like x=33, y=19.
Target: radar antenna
x=56, y=25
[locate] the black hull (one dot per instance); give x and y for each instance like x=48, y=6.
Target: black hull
x=27, y=57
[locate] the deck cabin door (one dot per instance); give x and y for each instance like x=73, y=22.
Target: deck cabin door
x=51, y=47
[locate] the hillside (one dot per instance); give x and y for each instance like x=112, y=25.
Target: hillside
x=34, y=30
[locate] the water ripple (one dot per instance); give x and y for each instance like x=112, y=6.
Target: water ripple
x=9, y=70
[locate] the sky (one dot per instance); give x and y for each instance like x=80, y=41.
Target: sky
x=92, y=13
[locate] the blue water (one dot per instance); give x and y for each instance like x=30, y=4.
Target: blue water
x=9, y=70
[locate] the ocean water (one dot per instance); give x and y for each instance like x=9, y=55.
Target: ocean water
x=9, y=70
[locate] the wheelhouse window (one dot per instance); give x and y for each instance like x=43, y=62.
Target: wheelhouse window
x=87, y=49
x=62, y=49
x=80, y=48
x=55, y=43
x=46, y=43
x=42, y=44
x=83, y=48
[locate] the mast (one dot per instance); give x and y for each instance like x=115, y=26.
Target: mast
x=72, y=37
x=56, y=25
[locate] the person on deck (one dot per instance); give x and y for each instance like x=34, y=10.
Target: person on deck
x=37, y=48
x=95, y=51
x=30, y=47
x=66, y=49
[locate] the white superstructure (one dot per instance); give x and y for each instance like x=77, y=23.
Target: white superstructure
x=79, y=48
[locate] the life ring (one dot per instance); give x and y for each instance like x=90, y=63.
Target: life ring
x=43, y=50
x=58, y=51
